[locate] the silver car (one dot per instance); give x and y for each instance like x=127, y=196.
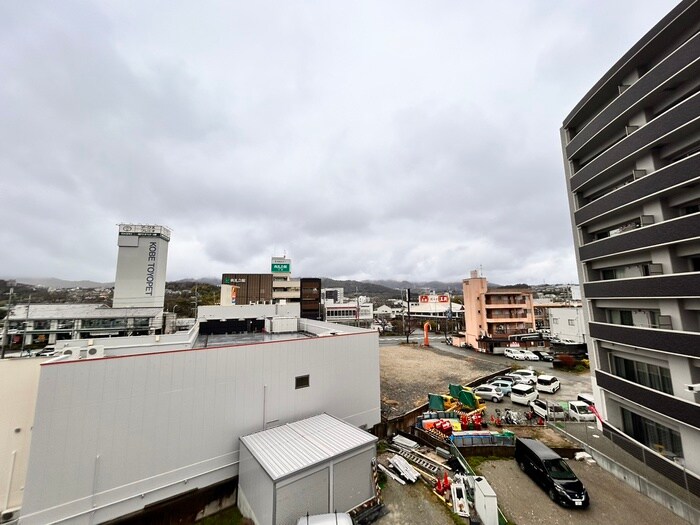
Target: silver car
x=489, y=391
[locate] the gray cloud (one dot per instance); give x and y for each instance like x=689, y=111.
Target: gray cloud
x=367, y=140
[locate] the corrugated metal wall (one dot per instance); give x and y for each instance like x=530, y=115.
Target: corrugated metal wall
x=352, y=481
x=308, y=494
x=255, y=489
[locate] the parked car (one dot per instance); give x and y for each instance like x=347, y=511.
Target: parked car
x=336, y=518
x=523, y=393
x=529, y=376
x=510, y=379
x=530, y=356
x=544, y=356
x=505, y=386
x=487, y=391
x=586, y=398
x=514, y=353
x=47, y=351
x=551, y=472
x=580, y=411
x=547, y=383
x=547, y=410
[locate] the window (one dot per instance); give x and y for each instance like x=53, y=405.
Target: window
x=301, y=382
x=623, y=317
x=608, y=274
x=652, y=434
x=572, y=322
x=652, y=376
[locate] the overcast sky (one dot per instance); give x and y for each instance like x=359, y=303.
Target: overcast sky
x=364, y=139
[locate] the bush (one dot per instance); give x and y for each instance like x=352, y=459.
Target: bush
x=567, y=360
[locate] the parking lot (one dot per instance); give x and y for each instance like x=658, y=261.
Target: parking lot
x=572, y=383
x=612, y=500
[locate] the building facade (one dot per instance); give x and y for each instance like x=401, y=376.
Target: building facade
x=278, y=286
x=492, y=316
x=51, y=323
x=632, y=160
x=141, y=265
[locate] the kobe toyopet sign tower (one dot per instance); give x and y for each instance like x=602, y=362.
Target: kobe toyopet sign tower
x=141, y=266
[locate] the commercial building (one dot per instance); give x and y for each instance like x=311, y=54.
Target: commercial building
x=51, y=323
x=141, y=266
x=114, y=436
x=278, y=286
x=137, y=305
x=492, y=316
x=357, y=313
x=437, y=308
x=632, y=160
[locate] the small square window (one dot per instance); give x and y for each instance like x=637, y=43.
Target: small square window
x=301, y=382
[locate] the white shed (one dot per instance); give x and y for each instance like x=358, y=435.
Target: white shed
x=315, y=466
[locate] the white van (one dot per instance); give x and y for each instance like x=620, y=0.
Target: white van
x=523, y=393
x=586, y=398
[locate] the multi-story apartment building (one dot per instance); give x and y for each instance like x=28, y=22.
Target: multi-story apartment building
x=632, y=160
x=492, y=316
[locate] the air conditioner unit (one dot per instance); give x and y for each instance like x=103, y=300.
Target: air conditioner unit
x=95, y=351
x=647, y=220
x=622, y=88
x=638, y=174
x=655, y=269
x=630, y=129
x=665, y=322
x=8, y=515
x=72, y=352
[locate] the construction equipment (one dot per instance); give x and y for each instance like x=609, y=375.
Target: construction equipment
x=442, y=402
x=467, y=397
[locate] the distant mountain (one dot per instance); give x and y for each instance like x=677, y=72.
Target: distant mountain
x=382, y=288
x=361, y=287
x=205, y=280
x=52, y=282
x=438, y=286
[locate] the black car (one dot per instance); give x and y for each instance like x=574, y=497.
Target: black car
x=551, y=472
x=544, y=356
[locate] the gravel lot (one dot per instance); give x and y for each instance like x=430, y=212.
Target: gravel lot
x=612, y=501
x=524, y=503
x=409, y=373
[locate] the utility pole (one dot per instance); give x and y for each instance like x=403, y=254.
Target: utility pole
x=195, y=301
x=26, y=322
x=408, y=302
x=6, y=323
x=449, y=314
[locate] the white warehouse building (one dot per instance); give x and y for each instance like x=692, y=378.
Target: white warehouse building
x=114, y=435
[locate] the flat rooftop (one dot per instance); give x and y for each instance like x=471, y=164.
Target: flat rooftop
x=208, y=341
